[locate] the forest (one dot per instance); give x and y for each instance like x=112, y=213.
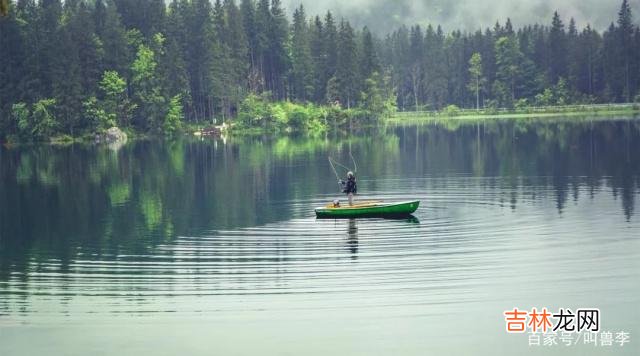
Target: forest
x=78, y=67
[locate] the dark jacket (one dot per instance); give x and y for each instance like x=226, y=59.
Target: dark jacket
x=350, y=186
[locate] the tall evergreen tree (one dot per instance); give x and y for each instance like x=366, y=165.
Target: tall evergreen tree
x=11, y=67
x=112, y=36
x=416, y=64
x=369, y=62
x=508, y=61
x=200, y=58
x=301, y=63
x=276, y=56
x=172, y=63
x=330, y=45
x=237, y=43
x=557, y=50
x=346, y=64
x=626, y=50
x=318, y=55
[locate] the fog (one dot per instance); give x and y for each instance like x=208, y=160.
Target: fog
x=382, y=16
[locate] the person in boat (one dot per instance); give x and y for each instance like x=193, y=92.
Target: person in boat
x=349, y=186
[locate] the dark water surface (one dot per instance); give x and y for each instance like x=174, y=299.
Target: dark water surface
x=211, y=246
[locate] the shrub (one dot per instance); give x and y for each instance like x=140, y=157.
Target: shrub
x=173, y=120
x=451, y=110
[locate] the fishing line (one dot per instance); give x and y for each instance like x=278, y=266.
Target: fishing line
x=340, y=165
x=334, y=169
x=355, y=166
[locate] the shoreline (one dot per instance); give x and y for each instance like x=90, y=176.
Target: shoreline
x=601, y=111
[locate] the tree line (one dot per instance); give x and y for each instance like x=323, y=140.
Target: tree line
x=504, y=67
x=81, y=66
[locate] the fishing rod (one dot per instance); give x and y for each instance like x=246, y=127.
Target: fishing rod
x=334, y=163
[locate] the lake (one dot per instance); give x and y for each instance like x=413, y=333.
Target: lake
x=211, y=246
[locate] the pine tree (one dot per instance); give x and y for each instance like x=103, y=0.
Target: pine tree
x=588, y=60
x=11, y=67
x=200, y=57
x=508, y=61
x=262, y=30
x=238, y=46
x=330, y=45
x=222, y=69
x=626, y=48
x=147, y=16
x=572, y=53
x=112, y=36
x=416, y=64
x=557, y=50
x=319, y=59
x=369, y=62
x=172, y=63
x=255, y=75
x=301, y=63
x=277, y=56
x=346, y=66
x=436, y=86
x=612, y=72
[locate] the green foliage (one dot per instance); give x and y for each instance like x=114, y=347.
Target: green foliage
x=254, y=111
x=521, y=104
x=371, y=98
x=21, y=115
x=451, y=110
x=43, y=121
x=123, y=62
x=555, y=95
x=333, y=91
x=476, y=80
x=259, y=112
x=112, y=84
x=151, y=104
x=508, y=62
x=116, y=104
x=99, y=118
x=38, y=123
x=378, y=98
x=175, y=116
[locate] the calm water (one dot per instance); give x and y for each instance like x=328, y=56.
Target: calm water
x=212, y=247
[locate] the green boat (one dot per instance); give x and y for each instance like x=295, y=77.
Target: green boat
x=368, y=209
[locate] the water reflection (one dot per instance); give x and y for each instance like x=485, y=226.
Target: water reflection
x=352, y=237
x=163, y=209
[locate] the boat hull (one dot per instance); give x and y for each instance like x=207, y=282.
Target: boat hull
x=377, y=209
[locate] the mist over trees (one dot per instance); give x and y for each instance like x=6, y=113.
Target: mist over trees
x=383, y=17
x=81, y=66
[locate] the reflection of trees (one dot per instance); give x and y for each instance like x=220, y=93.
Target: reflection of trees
x=567, y=154
x=58, y=201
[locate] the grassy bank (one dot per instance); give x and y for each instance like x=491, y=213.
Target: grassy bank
x=454, y=113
